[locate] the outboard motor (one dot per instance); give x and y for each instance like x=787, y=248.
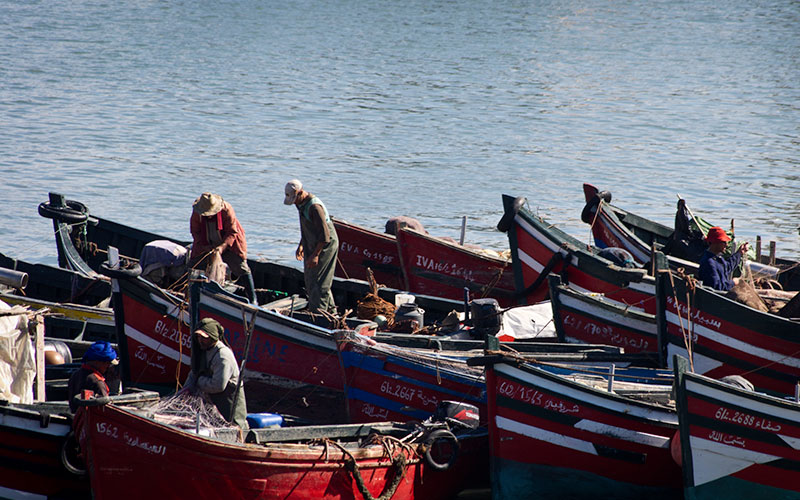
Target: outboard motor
x=458, y=413
x=486, y=317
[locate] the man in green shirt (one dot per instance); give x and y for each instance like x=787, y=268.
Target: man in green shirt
x=318, y=248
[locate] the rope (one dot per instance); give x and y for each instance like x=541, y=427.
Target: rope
x=399, y=463
x=687, y=342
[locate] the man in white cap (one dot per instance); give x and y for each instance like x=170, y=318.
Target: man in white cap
x=215, y=228
x=318, y=248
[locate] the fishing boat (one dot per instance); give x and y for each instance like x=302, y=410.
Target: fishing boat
x=725, y=337
x=420, y=263
x=577, y=436
x=614, y=227
x=385, y=382
x=736, y=443
x=39, y=455
x=82, y=241
x=588, y=317
x=289, y=355
x=538, y=248
x=361, y=248
x=77, y=305
x=145, y=453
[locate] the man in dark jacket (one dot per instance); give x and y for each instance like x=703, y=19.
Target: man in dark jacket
x=215, y=228
x=318, y=248
x=94, y=376
x=716, y=270
x=215, y=373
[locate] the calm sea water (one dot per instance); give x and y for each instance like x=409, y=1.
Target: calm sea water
x=425, y=108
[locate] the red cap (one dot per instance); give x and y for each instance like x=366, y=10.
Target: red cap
x=716, y=234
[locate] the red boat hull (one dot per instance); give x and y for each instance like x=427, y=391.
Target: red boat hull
x=137, y=458
x=737, y=444
x=551, y=439
x=534, y=243
x=729, y=338
x=360, y=248
x=435, y=267
x=30, y=457
x=388, y=384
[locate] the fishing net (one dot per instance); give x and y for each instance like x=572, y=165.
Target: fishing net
x=192, y=413
x=372, y=305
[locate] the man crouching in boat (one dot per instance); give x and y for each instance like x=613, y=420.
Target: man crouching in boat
x=215, y=373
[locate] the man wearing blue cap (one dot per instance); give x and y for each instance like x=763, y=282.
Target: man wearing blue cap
x=90, y=379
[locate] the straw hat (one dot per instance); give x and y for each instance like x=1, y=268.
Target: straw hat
x=208, y=204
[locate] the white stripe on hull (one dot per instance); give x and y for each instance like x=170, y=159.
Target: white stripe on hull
x=702, y=364
x=591, y=396
x=610, y=316
x=629, y=435
x=157, y=346
x=712, y=460
x=753, y=405
x=543, y=435
x=323, y=338
x=726, y=340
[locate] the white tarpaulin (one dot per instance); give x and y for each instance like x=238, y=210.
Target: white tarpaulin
x=17, y=364
x=528, y=323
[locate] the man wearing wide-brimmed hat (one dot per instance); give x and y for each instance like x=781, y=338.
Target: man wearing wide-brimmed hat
x=318, y=248
x=215, y=228
x=716, y=270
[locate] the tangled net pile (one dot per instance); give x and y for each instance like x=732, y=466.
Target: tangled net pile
x=192, y=413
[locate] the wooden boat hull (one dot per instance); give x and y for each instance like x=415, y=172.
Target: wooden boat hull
x=83, y=248
x=727, y=338
x=173, y=464
x=552, y=438
x=615, y=227
x=435, y=267
x=361, y=248
x=539, y=248
x=736, y=444
x=582, y=317
x=30, y=455
x=386, y=383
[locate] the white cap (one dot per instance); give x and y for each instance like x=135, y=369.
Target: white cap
x=292, y=188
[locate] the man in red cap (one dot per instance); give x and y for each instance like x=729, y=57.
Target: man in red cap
x=716, y=270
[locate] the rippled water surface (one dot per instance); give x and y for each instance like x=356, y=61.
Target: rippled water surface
x=431, y=109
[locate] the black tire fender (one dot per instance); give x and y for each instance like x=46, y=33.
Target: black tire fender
x=505, y=222
x=441, y=435
x=73, y=212
x=587, y=214
x=122, y=273
x=70, y=452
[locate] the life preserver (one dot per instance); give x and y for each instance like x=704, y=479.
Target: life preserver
x=508, y=217
x=72, y=212
x=441, y=435
x=587, y=214
x=70, y=455
x=122, y=273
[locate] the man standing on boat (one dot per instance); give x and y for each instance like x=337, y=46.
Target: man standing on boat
x=95, y=375
x=318, y=248
x=215, y=373
x=716, y=270
x=215, y=228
